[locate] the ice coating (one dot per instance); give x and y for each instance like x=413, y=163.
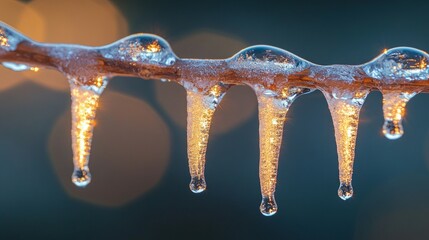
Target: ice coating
x=201, y=105
x=9, y=38
x=146, y=48
x=85, y=100
x=268, y=59
x=394, y=104
x=17, y=67
x=402, y=63
x=273, y=108
x=345, y=107
x=399, y=73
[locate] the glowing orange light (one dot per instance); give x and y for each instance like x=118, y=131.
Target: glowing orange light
x=153, y=47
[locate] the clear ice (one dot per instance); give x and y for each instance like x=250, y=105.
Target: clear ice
x=402, y=63
x=17, y=67
x=9, y=38
x=345, y=107
x=201, y=105
x=394, y=110
x=85, y=99
x=277, y=77
x=141, y=48
x=273, y=108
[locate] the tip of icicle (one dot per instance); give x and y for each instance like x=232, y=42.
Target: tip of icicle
x=392, y=130
x=268, y=206
x=81, y=177
x=345, y=191
x=197, y=184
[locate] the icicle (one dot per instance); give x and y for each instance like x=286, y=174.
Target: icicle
x=85, y=100
x=345, y=108
x=394, y=110
x=201, y=107
x=273, y=108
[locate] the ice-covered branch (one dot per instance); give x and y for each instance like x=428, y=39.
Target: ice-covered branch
x=277, y=77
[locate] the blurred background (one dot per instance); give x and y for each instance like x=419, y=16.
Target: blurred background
x=139, y=164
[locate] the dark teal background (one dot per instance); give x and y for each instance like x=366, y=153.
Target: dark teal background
x=391, y=178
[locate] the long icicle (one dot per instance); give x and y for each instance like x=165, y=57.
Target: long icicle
x=345, y=108
x=85, y=99
x=273, y=108
x=394, y=104
x=201, y=106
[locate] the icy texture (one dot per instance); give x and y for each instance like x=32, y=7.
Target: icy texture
x=273, y=108
x=9, y=38
x=145, y=48
x=343, y=73
x=201, y=107
x=84, y=105
x=401, y=63
x=345, y=107
x=277, y=76
x=394, y=110
x=17, y=67
x=272, y=60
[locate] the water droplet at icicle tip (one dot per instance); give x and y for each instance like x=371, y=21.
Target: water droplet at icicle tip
x=394, y=104
x=198, y=184
x=268, y=206
x=345, y=108
x=81, y=177
x=85, y=100
x=201, y=105
x=345, y=191
x=273, y=107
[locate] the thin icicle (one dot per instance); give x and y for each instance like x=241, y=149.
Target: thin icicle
x=394, y=104
x=85, y=100
x=201, y=106
x=345, y=108
x=273, y=108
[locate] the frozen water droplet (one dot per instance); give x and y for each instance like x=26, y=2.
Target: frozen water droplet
x=81, y=177
x=17, y=67
x=345, y=191
x=345, y=107
x=402, y=63
x=268, y=59
x=394, y=104
x=273, y=108
x=201, y=106
x=392, y=129
x=197, y=184
x=85, y=98
x=145, y=48
x=268, y=206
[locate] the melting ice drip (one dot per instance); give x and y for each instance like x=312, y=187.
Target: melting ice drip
x=277, y=77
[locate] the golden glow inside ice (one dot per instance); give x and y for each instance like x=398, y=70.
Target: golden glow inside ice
x=272, y=115
x=394, y=110
x=423, y=63
x=4, y=41
x=153, y=47
x=99, y=81
x=201, y=107
x=84, y=106
x=34, y=69
x=345, y=116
